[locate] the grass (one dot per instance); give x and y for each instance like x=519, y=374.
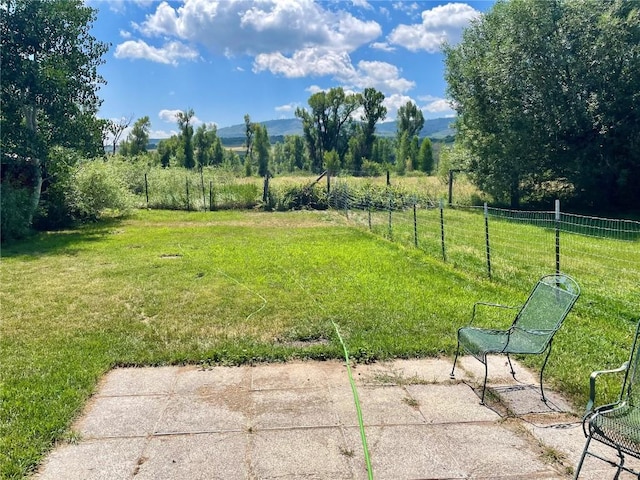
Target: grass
x=229, y=288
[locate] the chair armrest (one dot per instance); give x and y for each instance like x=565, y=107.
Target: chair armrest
x=473, y=315
x=592, y=383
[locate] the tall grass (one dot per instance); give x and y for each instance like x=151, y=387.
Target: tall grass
x=167, y=287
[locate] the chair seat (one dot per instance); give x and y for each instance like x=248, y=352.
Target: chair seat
x=480, y=342
x=618, y=427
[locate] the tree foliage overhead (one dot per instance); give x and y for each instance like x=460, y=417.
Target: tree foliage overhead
x=548, y=94
x=49, y=77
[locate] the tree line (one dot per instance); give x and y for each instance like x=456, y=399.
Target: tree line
x=548, y=101
x=335, y=137
x=547, y=96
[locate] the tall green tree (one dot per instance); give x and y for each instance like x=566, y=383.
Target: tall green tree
x=115, y=129
x=425, y=156
x=202, y=143
x=138, y=138
x=326, y=123
x=410, y=122
x=546, y=94
x=184, y=120
x=262, y=148
x=403, y=153
x=294, y=152
x=410, y=119
x=50, y=82
x=373, y=112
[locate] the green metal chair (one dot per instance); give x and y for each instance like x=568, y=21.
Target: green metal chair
x=532, y=330
x=616, y=424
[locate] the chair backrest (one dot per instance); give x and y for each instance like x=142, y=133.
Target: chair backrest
x=544, y=311
x=631, y=385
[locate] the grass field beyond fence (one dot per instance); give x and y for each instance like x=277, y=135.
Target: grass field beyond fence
x=239, y=287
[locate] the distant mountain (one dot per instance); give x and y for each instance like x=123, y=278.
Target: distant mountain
x=433, y=128
x=287, y=126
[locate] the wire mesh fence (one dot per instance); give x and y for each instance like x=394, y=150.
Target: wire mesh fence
x=510, y=246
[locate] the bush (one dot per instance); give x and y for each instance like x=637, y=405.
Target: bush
x=298, y=197
x=15, y=208
x=54, y=211
x=98, y=188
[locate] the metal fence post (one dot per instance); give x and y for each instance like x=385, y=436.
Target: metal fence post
x=444, y=253
x=486, y=234
x=188, y=204
x=557, y=222
x=204, y=197
x=415, y=225
x=390, y=230
x=146, y=189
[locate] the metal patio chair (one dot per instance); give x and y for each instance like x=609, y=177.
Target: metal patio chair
x=532, y=330
x=616, y=424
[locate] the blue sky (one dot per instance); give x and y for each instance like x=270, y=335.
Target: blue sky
x=228, y=58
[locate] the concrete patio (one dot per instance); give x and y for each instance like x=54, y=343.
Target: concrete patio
x=298, y=420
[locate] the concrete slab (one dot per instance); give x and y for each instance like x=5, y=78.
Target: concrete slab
x=194, y=457
x=524, y=399
x=412, y=371
x=490, y=450
x=383, y=405
x=195, y=380
x=403, y=451
x=130, y=416
x=138, y=381
x=299, y=420
x=198, y=413
x=450, y=404
x=104, y=459
x=289, y=376
x=498, y=368
x=293, y=408
x=316, y=453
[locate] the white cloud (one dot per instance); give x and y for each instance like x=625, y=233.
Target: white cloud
x=169, y=53
x=125, y=34
x=394, y=102
x=318, y=62
x=306, y=62
x=314, y=89
x=438, y=106
x=170, y=116
x=362, y=4
x=380, y=75
x=162, y=133
x=443, y=23
x=236, y=27
x=288, y=108
x=384, y=46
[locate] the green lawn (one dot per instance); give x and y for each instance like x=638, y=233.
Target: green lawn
x=234, y=287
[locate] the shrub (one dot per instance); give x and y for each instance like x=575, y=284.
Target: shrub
x=98, y=188
x=15, y=205
x=298, y=197
x=54, y=211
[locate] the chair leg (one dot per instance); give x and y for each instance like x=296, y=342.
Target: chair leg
x=542, y=371
x=584, y=454
x=484, y=384
x=513, y=372
x=452, y=375
x=620, y=465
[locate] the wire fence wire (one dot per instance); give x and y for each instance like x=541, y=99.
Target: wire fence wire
x=509, y=246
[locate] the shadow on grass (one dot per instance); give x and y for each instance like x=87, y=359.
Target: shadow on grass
x=67, y=242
